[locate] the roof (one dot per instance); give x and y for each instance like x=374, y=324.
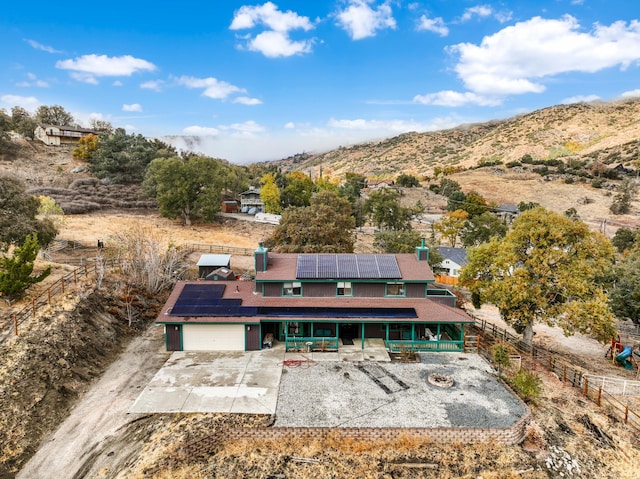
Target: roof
x=283, y=266
x=508, y=208
x=214, y=260
x=68, y=128
x=253, y=191
x=417, y=310
x=457, y=255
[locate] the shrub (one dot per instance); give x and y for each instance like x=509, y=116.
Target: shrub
x=597, y=183
x=569, y=181
x=527, y=385
x=513, y=164
x=501, y=357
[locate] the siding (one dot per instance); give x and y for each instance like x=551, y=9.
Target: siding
x=272, y=289
x=415, y=290
x=319, y=290
x=368, y=290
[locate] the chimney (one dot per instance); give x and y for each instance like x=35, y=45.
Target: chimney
x=260, y=257
x=422, y=252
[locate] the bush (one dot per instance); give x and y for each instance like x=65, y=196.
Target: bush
x=569, y=181
x=527, y=385
x=597, y=183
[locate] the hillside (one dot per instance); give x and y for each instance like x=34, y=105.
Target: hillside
x=606, y=132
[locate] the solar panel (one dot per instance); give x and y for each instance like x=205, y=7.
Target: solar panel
x=347, y=266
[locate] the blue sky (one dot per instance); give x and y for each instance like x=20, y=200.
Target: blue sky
x=265, y=80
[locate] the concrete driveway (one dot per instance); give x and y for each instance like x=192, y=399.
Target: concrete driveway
x=223, y=382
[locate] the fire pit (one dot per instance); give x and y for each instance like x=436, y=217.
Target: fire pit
x=441, y=380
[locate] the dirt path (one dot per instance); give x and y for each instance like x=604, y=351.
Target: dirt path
x=71, y=451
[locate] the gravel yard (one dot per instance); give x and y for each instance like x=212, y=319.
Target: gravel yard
x=371, y=394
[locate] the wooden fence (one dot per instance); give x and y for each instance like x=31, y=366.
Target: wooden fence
x=217, y=249
x=58, y=288
x=565, y=371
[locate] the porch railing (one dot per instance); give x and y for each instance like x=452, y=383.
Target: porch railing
x=311, y=343
x=424, y=346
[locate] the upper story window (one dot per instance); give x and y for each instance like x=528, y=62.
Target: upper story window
x=395, y=289
x=344, y=289
x=292, y=289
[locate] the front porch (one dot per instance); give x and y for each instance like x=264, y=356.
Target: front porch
x=326, y=337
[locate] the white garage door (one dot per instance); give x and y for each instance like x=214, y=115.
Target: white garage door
x=213, y=337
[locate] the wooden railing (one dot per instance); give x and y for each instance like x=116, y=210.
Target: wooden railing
x=311, y=343
x=397, y=346
x=564, y=370
x=218, y=249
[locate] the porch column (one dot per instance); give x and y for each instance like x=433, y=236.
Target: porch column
x=362, y=336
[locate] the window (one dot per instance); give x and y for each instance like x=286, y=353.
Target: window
x=344, y=289
x=395, y=289
x=292, y=289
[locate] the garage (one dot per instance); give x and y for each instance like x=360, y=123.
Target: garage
x=213, y=337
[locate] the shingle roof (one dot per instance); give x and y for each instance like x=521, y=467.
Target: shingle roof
x=457, y=255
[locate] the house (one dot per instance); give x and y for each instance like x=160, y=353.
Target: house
x=208, y=263
x=318, y=302
x=453, y=261
x=251, y=199
x=61, y=135
x=507, y=212
x=377, y=184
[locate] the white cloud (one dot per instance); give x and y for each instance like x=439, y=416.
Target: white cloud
x=455, y=99
x=213, y=88
x=274, y=41
x=391, y=127
x=289, y=125
x=247, y=128
x=516, y=59
x=33, y=81
x=360, y=20
x=132, y=107
x=631, y=93
x=117, y=83
x=200, y=131
x=435, y=25
x=87, y=67
x=580, y=99
x=40, y=46
x=245, y=100
x=29, y=103
x=481, y=11
x=155, y=85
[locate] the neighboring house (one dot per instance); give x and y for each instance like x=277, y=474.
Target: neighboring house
x=507, y=212
x=449, y=268
x=377, y=184
x=318, y=302
x=61, y=135
x=208, y=263
x=251, y=199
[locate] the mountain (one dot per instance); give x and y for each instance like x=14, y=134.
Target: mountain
x=598, y=131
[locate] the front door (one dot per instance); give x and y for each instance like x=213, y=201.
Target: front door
x=252, y=337
x=174, y=334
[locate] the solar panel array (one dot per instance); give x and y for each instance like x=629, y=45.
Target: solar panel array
x=347, y=266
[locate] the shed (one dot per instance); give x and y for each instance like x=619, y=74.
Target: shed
x=221, y=274
x=230, y=207
x=208, y=263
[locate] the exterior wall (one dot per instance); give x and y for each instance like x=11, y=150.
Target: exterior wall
x=446, y=300
x=415, y=290
x=273, y=289
x=368, y=290
x=373, y=331
x=41, y=134
x=213, y=337
x=319, y=290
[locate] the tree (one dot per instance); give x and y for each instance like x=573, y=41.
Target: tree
x=384, y=210
x=622, y=201
x=403, y=241
x=54, y=115
x=22, y=122
x=352, y=186
x=625, y=239
x=475, y=204
x=624, y=297
x=547, y=269
x=16, y=271
x=5, y=128
x=298, y=190
x=87, y=145
x=480, y=229
x=270, y=194
x=188, y=189
x=101, y=126
x=407, y=181
x=18, y=216
x=325, y=226
x=123, y=158
x=451, y=226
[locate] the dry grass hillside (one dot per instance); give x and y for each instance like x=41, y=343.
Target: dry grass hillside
x=607, y=132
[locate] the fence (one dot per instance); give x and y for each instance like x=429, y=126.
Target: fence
x=564, y=370
x=620, y=387
x=216, y=249
x=45, y=298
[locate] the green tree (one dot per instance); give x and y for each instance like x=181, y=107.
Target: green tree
x=101, y=126
x=5, y=128
x=18, y=216
x=451, y=226
x=622, y=201
x=188, y=189
x=384, y=210
x=480, y=229
x=123, y=158
x=407, y=181
x=325, y=226
x=456, y=200
x=475, y=204
x=547, y=269
x=391, y=241
x=54, y=115
x=16, y=271
x=625, y=239
x=624, y=296
x=23, y=122
x=352, y=186
x=270, y=194
x=298, y=190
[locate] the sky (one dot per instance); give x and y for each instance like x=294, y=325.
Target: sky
x=266, y=80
